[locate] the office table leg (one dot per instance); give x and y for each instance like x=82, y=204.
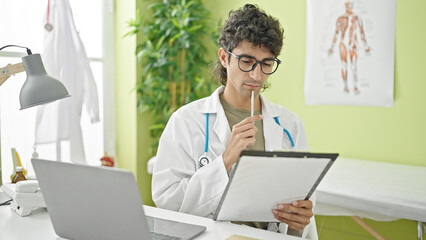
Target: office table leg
x=368, y=228
x=420, y=231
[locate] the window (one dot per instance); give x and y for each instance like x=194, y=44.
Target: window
x=22, y=24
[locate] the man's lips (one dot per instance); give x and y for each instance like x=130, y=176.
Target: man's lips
x=252, y=85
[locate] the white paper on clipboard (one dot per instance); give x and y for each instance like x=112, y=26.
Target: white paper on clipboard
x=261, y=180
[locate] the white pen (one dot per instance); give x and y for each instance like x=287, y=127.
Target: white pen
x=252, y=103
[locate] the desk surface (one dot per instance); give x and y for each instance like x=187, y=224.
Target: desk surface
x=38, y=225
x=376, y=190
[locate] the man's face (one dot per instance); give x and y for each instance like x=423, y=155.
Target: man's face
x=240, y=84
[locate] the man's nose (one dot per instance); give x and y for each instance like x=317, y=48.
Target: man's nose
x=256, y=73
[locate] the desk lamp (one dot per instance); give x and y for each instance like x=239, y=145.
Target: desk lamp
x=39, y=88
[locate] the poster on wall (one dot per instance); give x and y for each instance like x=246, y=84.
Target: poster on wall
x=350, y=52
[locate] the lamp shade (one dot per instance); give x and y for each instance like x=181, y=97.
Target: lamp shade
x=39, y=88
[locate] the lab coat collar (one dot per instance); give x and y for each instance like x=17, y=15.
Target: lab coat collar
x=212, y=106
x=212, y=103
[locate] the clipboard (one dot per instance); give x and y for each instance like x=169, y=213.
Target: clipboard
x=261, y=180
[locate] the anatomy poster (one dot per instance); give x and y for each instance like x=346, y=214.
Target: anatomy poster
x=350, y=49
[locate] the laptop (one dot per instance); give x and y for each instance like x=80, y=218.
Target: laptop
x=88, y=202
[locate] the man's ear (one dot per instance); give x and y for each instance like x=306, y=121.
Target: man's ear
x=222, y=57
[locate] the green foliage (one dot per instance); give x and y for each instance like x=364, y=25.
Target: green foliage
x=172, y=55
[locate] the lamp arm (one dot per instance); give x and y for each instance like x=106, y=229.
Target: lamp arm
x=9, y=70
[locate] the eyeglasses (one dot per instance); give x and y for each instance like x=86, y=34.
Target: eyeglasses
x=248, y=63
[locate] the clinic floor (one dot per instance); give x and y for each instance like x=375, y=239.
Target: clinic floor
x=344, y=228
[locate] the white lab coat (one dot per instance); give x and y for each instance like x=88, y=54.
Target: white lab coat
x=65, y=58
x=178, y=182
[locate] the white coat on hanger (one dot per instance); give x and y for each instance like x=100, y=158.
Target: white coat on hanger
x=65, y=58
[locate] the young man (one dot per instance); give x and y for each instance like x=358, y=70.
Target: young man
x=204, y=139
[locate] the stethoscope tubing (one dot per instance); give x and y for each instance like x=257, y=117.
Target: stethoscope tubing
x=286, y=131
x=204, y=159
x=207, y=134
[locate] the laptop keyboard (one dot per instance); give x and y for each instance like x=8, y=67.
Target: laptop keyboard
x=159, y=236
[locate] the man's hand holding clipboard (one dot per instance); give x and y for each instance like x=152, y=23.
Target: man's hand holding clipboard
x=296, y=215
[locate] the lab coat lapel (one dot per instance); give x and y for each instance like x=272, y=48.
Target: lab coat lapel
x=272, y=132
x=220, y=125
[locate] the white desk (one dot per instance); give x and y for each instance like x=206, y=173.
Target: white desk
x=38, y=225
x=375, y=190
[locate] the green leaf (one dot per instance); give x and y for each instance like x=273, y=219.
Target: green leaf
x=174, y=38
x=156, y=126
x=160, y=42
x=176, y=23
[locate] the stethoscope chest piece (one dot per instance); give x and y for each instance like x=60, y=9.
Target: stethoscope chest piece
x=203, y=161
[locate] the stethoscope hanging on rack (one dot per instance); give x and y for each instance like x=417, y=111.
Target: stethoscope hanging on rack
x=204, y=159
x=48, y=26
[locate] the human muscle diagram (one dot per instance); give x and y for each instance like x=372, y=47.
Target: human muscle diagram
x=348, y=29
x=350, y=52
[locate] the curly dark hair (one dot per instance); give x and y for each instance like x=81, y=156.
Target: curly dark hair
x=254, y=25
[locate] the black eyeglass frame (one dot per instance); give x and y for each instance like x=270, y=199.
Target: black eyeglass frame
x=256, y=62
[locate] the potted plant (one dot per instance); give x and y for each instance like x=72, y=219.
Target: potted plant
x=172, y=52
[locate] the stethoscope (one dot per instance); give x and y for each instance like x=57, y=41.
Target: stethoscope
x=204, y=159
